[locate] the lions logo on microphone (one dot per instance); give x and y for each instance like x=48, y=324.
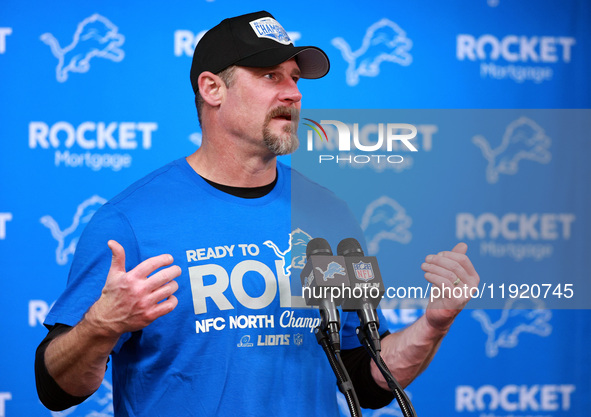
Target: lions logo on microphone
x=333, y=269
x=363, y=271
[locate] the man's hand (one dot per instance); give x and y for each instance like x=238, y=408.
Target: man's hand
x=446, y=271
x=408, y=352
x=130, y=300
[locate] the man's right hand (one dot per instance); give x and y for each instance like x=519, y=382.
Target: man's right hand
x=130, y=300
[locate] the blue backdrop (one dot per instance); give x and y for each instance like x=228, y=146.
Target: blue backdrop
x=83, y=118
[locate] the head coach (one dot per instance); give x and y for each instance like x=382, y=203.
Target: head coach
x=175, y=280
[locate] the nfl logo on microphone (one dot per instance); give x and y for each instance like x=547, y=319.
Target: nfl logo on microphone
x=363, y=271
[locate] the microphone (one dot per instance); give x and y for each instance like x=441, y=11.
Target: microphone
x=365, y=277
x=323, y=279
x=367, y=287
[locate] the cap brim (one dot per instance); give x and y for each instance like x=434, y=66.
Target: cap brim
x=312, y=61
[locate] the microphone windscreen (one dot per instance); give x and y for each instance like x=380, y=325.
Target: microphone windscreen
x=318, y=246
x=348, y=247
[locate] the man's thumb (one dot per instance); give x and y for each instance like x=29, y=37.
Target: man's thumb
x=118, y=259
x=460, y=248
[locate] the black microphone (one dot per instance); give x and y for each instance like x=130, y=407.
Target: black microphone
x=323, y=279
x=366, y=280
x=366, y=284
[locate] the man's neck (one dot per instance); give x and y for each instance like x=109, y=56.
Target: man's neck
x=245, y=192
x=228, y=167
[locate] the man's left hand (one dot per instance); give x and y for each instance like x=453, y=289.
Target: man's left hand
x=447, y=271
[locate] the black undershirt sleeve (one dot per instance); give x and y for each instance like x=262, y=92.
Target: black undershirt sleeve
x=50, y=393
x=370, y=394
x=357, y=362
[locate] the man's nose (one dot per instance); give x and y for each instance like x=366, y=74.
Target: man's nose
x=290, y=92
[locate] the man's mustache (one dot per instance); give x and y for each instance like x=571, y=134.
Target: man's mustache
x=289, y=113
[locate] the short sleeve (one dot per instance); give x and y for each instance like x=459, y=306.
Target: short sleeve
x=91, y=264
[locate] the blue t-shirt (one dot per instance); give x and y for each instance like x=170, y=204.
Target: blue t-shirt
x=235, y=343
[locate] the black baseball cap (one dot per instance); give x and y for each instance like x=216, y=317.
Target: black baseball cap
x=253, y=40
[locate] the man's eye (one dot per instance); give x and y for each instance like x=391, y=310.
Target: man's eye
x=270, y=76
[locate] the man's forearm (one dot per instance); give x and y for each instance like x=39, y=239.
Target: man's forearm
x=408, y=352
x=77, y=359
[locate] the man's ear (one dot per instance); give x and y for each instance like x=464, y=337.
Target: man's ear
x=211, y=88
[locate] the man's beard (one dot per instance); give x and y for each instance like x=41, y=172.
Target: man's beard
x=287, y=141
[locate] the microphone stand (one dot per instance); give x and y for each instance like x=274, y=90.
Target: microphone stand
x=374, y=349
x=338, y=367
x=327, y=334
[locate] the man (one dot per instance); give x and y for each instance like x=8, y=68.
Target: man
x=227, y=341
